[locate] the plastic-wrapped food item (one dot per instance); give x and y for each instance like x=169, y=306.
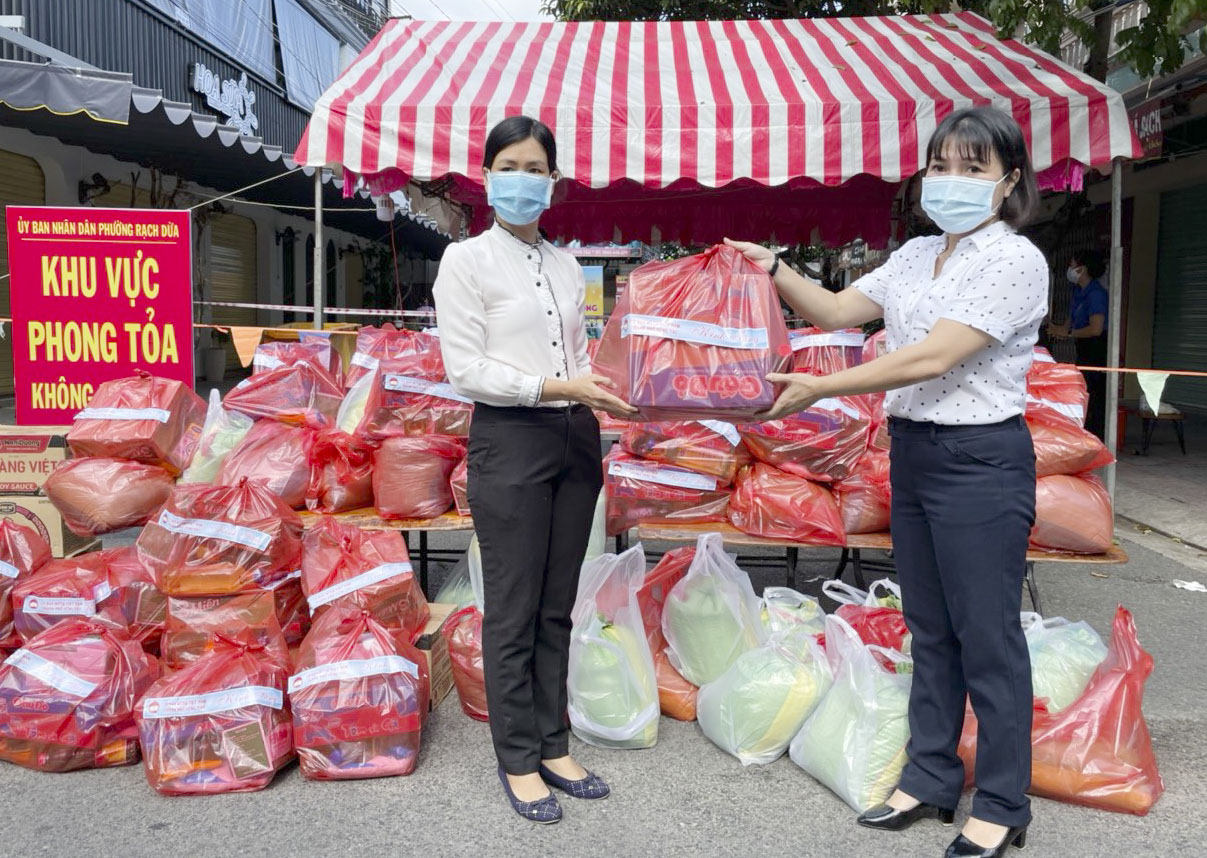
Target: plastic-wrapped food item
x=22, y=553
x=344, y=566
x=825, y=442
x=785, y=611
x=458, y=484
x=1073, y=514
x=218, y=540
x=302, y=393
x=755, y=709
x=639, y=491
x=463, y=633
x=695, y=338
x=136, y=603
x=1064, y=655
x=819, y=352
x=277, y=456
x=284, y=353
x=464, y=584
x=341, y=472
x=359, y=698
x=854, y=742
x=656, y=588
x=772, y=504
x=411, y=396
x=147, y=419
x=60, y=590
x=613, y=695
x=374, y=344
x=411, y=476
x=223, y=431
x=712, y=616
x=676, y=696
x=865, y=497
x=222, y=724
x=884, y=593
x=704, y=446
x=1062, y=446
x=68, y=698
x=1058, y=389
x=97, y=496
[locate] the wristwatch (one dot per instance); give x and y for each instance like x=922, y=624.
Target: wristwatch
x=775, y=266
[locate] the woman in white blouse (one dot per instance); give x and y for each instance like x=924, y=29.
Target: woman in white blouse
x=962, y=312
x=510, y=308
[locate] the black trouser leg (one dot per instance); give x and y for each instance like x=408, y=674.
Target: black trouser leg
x=1092, y=352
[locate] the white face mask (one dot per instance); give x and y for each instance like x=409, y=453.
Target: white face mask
x=958, y=204
x=1074, y=274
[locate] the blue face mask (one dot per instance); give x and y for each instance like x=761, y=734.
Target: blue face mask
x=518, y=198
x=958, y=204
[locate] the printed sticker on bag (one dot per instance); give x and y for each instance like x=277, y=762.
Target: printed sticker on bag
x=662, y=476
x=726, y=430
x=352, y=669
x=830, y=404
x=246, y=536
x=841, y=339
x=8, y=570
x=365, y=361
x=365, y=579
x=1072, y=410
x=159, y=415
x=281, y=582
x=691, y=331
x=215, y=701
x=50, y=673
x=58, y=606
x=407, y=384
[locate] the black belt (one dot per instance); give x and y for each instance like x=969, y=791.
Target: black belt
x=925, y=427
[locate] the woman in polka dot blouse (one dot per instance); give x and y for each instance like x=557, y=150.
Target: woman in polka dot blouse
x=962, y=312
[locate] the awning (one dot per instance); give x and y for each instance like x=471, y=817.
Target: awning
x=101, y=95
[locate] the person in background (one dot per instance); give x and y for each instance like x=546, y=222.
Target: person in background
x=1088, y=313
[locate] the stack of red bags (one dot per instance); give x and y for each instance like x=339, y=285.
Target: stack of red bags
x=22, y=553
x=640, y=491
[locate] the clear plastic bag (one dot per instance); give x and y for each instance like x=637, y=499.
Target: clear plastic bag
x=223, y=432
x=785, y=611
x=1064, y=655
x=460, y=588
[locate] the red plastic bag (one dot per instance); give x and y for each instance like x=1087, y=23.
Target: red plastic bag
x=876, y=625
x=135, y=604
x=97, y=496
x=68, y=698
x=696, y=338
x=153, y=420
x=22, y=553
x=219, y=540
x=220, y=725
x=411, y=476
x=1073, y=514
x=1062, y=446
x=824, y=443
x=60, y=590
x=275, y=455
x=676, y=696
x=344, y=566
x=776, y=505
x=375, y=344
x=819, y=352
x=359, y=699
x=278, y=354
x=865, y=497
x=463, y=633
x=302, y=393
x=1058, y=388
x=706, y=447
x=458, y=484
x=411, y=396
x=657, y=585
x=641, y=491
x=341, y=472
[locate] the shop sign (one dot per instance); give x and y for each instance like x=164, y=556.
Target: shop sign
x=232, y=98
x=1146, y=120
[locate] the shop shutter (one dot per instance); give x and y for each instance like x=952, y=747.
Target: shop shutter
x=21, y=184
x=354, y=280
x=1180, y=320
x=233, y=274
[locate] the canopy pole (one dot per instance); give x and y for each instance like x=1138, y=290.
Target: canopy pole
x=319, y=244
x=1115, y=320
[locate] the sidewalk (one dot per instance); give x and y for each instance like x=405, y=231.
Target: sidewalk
x=1165, y=490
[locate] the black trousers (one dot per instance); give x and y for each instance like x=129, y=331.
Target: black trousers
x=963, y=506
x=534, y=476
x=1091, y=351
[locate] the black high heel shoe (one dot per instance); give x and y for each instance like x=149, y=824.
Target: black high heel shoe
x=885, y=818
x=962, y=847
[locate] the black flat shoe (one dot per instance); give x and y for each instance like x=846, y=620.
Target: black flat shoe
x=592, y=787
x=962, y=847
x=885, y=818
x=543, y=811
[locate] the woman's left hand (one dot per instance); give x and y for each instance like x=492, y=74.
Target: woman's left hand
x=800, y=392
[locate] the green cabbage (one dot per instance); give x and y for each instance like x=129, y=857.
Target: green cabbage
x=1064, y=656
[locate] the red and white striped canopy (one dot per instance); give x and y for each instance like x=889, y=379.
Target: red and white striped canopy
x=657, y=103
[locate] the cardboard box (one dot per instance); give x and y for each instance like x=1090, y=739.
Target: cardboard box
x=28, y=455
x=40, y=514
x=435, y=649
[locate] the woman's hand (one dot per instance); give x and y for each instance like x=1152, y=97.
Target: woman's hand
x=800, y=392
x=756, y=253
x=591, y=391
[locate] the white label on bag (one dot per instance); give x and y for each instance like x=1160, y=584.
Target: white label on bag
x=8, y=570
x=101, y=592
x=1069, y=409
x=838, y=405
x=352, y=669
x=50, y=673
x=159, y=415
x=690, y=331
x=56, y=606
x=359, y=582
x=662, y=476
x=1042, y=357
x=280, y=582
x=250, y=537
x=215, y=701
x=407, y=384
x=843, y=339
x=726, y=430
x=267, y=361
x=364, y=361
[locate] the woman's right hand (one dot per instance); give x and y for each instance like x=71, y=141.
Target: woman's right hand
x=591, y=390
x=756, y=253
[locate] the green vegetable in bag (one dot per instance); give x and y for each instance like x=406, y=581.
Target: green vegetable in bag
x=1064, y=656
x=613, y=684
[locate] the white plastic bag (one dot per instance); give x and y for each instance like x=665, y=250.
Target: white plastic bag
x=222, y=432
x=712, y=615
x=785, y=610
x=612, y=690
x=352, y=409
x=597, y=545
x=884, y=593
x=854, y=742
x=1064, y=655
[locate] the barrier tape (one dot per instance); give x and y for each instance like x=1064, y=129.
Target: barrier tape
x=336, y=311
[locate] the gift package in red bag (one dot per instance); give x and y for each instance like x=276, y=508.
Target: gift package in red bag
x=277, y=456
x=22, y=553
x=97, y=496
x=344, y=566
x=1062, y=446
x=60, y=590
x=411, y=476
x=136, y=603
x=824, y=443
x=704, y=446
x=695, y=338
x=776, y=505
x=657, y=585
x=876, y=625
x=1074, y=514
x=302, y=393
x=463, y=634
x=218, y=540
x=676, y=696
x=359, y=698
x=147, y=419
x=458, y=484
x=411, y=396
x=819, y=352
x=375, y=344
x=220, y=725
x=640, y=491
x=865, y=497
x=68, y=697
x=341, y=472
x=1058, y=388
x=316, y=347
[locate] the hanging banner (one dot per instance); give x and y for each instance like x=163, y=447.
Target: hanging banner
x=594, y=275
x=96, y=295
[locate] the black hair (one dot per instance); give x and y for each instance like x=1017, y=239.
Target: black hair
x=976, y=132
x=1094, y=262
x=517, y=129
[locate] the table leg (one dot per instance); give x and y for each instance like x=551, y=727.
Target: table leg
x=1177, y=427
x=857, y=568
x=1033, y=587
x=843, y=559
x=423, y=562
x=793, y=559
x=1150, y=426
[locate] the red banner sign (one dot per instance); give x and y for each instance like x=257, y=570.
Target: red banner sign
x=96, y=294
x=1146, y=119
